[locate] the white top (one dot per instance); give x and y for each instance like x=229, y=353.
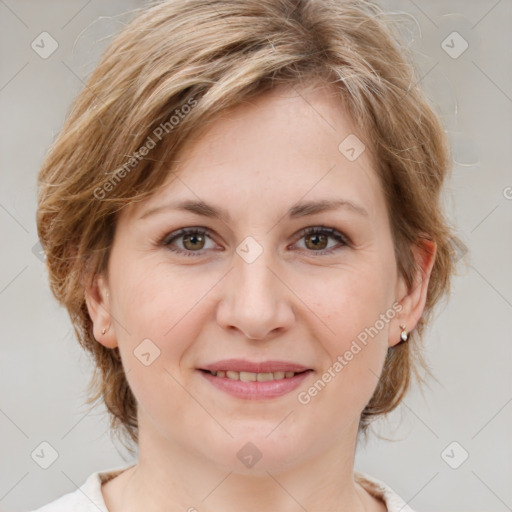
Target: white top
x=89, y=498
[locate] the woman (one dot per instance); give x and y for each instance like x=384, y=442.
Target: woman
x=242, y=215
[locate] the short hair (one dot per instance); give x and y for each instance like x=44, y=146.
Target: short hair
x=211, y=55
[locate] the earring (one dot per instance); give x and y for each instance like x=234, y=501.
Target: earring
x=404, y=335
x=103, y=331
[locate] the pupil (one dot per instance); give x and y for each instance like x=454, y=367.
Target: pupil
x=317, y=237
x=319, y=241
x=193, y=239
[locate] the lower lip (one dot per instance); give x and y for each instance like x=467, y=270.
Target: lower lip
x=256, y=390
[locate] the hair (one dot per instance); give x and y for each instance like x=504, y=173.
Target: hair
x=175, y=68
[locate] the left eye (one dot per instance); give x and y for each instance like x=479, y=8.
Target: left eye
x=193, y=240
x=317, y=239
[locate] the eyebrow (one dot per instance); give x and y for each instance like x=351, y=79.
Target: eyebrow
x=302, y=209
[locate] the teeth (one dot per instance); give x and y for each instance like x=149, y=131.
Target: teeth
x=248, y=377
x=253, y=377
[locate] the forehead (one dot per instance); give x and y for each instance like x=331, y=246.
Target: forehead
x=278, y=148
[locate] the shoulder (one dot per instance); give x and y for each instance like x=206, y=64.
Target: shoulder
x=394, y=503
x=87, y=498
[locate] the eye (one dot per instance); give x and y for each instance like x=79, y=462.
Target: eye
x=317, y=239
x=193, y=241
x=190, y=241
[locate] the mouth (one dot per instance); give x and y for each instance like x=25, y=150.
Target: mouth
x=253, y=381
x=252, y=376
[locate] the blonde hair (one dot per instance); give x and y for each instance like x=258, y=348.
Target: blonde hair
x=211, y=55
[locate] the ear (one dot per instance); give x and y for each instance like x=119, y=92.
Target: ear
x=97, y=298
x=413, y=298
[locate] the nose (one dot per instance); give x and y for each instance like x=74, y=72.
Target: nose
x=255, y=299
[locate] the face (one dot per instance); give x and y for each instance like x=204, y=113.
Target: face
x=230, y=267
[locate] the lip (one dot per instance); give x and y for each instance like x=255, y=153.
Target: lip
x=256, y=390
x=243, y=365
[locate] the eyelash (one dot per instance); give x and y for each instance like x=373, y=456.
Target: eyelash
x=317, y=230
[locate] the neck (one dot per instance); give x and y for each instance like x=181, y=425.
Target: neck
x=176, y=479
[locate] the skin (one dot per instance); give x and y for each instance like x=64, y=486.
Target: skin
x=290, y=304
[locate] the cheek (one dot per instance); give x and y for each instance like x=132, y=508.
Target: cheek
x=353, y=300
x=159, y=309
x=357, y=308
x=158, y=302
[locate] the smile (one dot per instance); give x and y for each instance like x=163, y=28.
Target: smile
x=255, y=381
x=253, y=377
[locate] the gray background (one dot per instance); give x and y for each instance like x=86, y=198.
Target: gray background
x=44, y=372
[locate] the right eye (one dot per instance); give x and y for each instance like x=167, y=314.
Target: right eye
x=191, y=240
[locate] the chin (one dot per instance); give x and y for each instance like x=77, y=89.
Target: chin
x=259, y=453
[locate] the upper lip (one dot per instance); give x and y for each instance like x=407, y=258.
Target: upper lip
x=242, y=365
